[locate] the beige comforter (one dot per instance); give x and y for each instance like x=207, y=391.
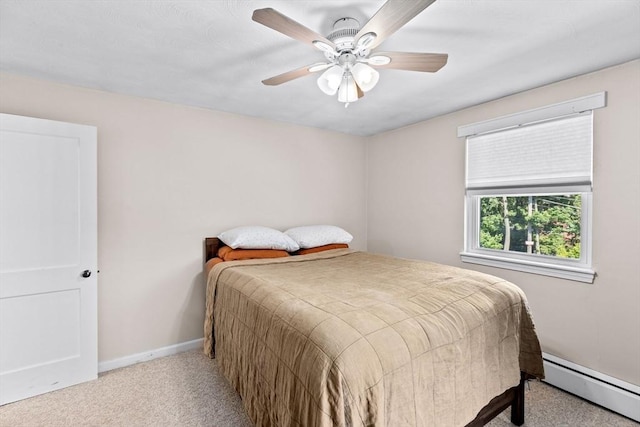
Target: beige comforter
x=350, y=338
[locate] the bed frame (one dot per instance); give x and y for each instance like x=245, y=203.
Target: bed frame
x=513, y=397
x=211, y=246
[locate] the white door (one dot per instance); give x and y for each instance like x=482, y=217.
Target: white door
x=48, y=238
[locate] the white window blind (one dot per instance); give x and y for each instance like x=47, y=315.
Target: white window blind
x=549, y=153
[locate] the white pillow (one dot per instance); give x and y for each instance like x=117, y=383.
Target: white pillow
x=311, y=236
x=256, y=237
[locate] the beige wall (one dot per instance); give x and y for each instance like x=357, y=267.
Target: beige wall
x=169, y=175
x=416, y=201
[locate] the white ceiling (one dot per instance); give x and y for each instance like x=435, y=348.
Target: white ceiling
x=211, y=54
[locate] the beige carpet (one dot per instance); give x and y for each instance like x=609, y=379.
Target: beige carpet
x=188, y=390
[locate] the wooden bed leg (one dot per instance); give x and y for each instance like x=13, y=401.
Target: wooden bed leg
x=517, y=407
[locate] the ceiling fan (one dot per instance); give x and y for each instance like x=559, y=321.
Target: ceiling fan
x=350, y=67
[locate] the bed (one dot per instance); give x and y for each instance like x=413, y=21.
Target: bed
x=342, y=338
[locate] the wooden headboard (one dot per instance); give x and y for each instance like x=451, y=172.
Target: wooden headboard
x=211, y=246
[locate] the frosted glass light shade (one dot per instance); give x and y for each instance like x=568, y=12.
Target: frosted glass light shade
x=365, y=76
x=330, y=80
x=348, y=91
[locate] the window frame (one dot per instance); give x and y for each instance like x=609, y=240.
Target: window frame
x=573, y=269
x=566, y=268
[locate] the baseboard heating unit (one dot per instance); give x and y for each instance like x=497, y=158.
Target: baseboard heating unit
x=608, y=392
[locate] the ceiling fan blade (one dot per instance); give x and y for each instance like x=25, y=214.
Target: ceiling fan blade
x=295, y=74
x=277, y=21
x=390, y=17
x=427, y=62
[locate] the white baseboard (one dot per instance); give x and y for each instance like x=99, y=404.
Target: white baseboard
x=121, y=362
x=611, y=393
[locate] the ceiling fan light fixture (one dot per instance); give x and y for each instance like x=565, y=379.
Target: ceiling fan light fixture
x=379, y=60
x=330, y=80
x=350, y=66
x=348, y=91
x=365, y=76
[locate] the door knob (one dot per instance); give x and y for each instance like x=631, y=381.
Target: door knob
x=86, y=273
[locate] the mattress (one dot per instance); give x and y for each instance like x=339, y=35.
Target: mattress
x=351, y=338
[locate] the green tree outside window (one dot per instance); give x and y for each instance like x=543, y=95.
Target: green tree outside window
x=540, y=224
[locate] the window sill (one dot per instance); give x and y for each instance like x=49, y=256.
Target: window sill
x=564, y=272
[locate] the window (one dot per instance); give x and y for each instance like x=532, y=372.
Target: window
x=529, y=190
x=540, y=224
